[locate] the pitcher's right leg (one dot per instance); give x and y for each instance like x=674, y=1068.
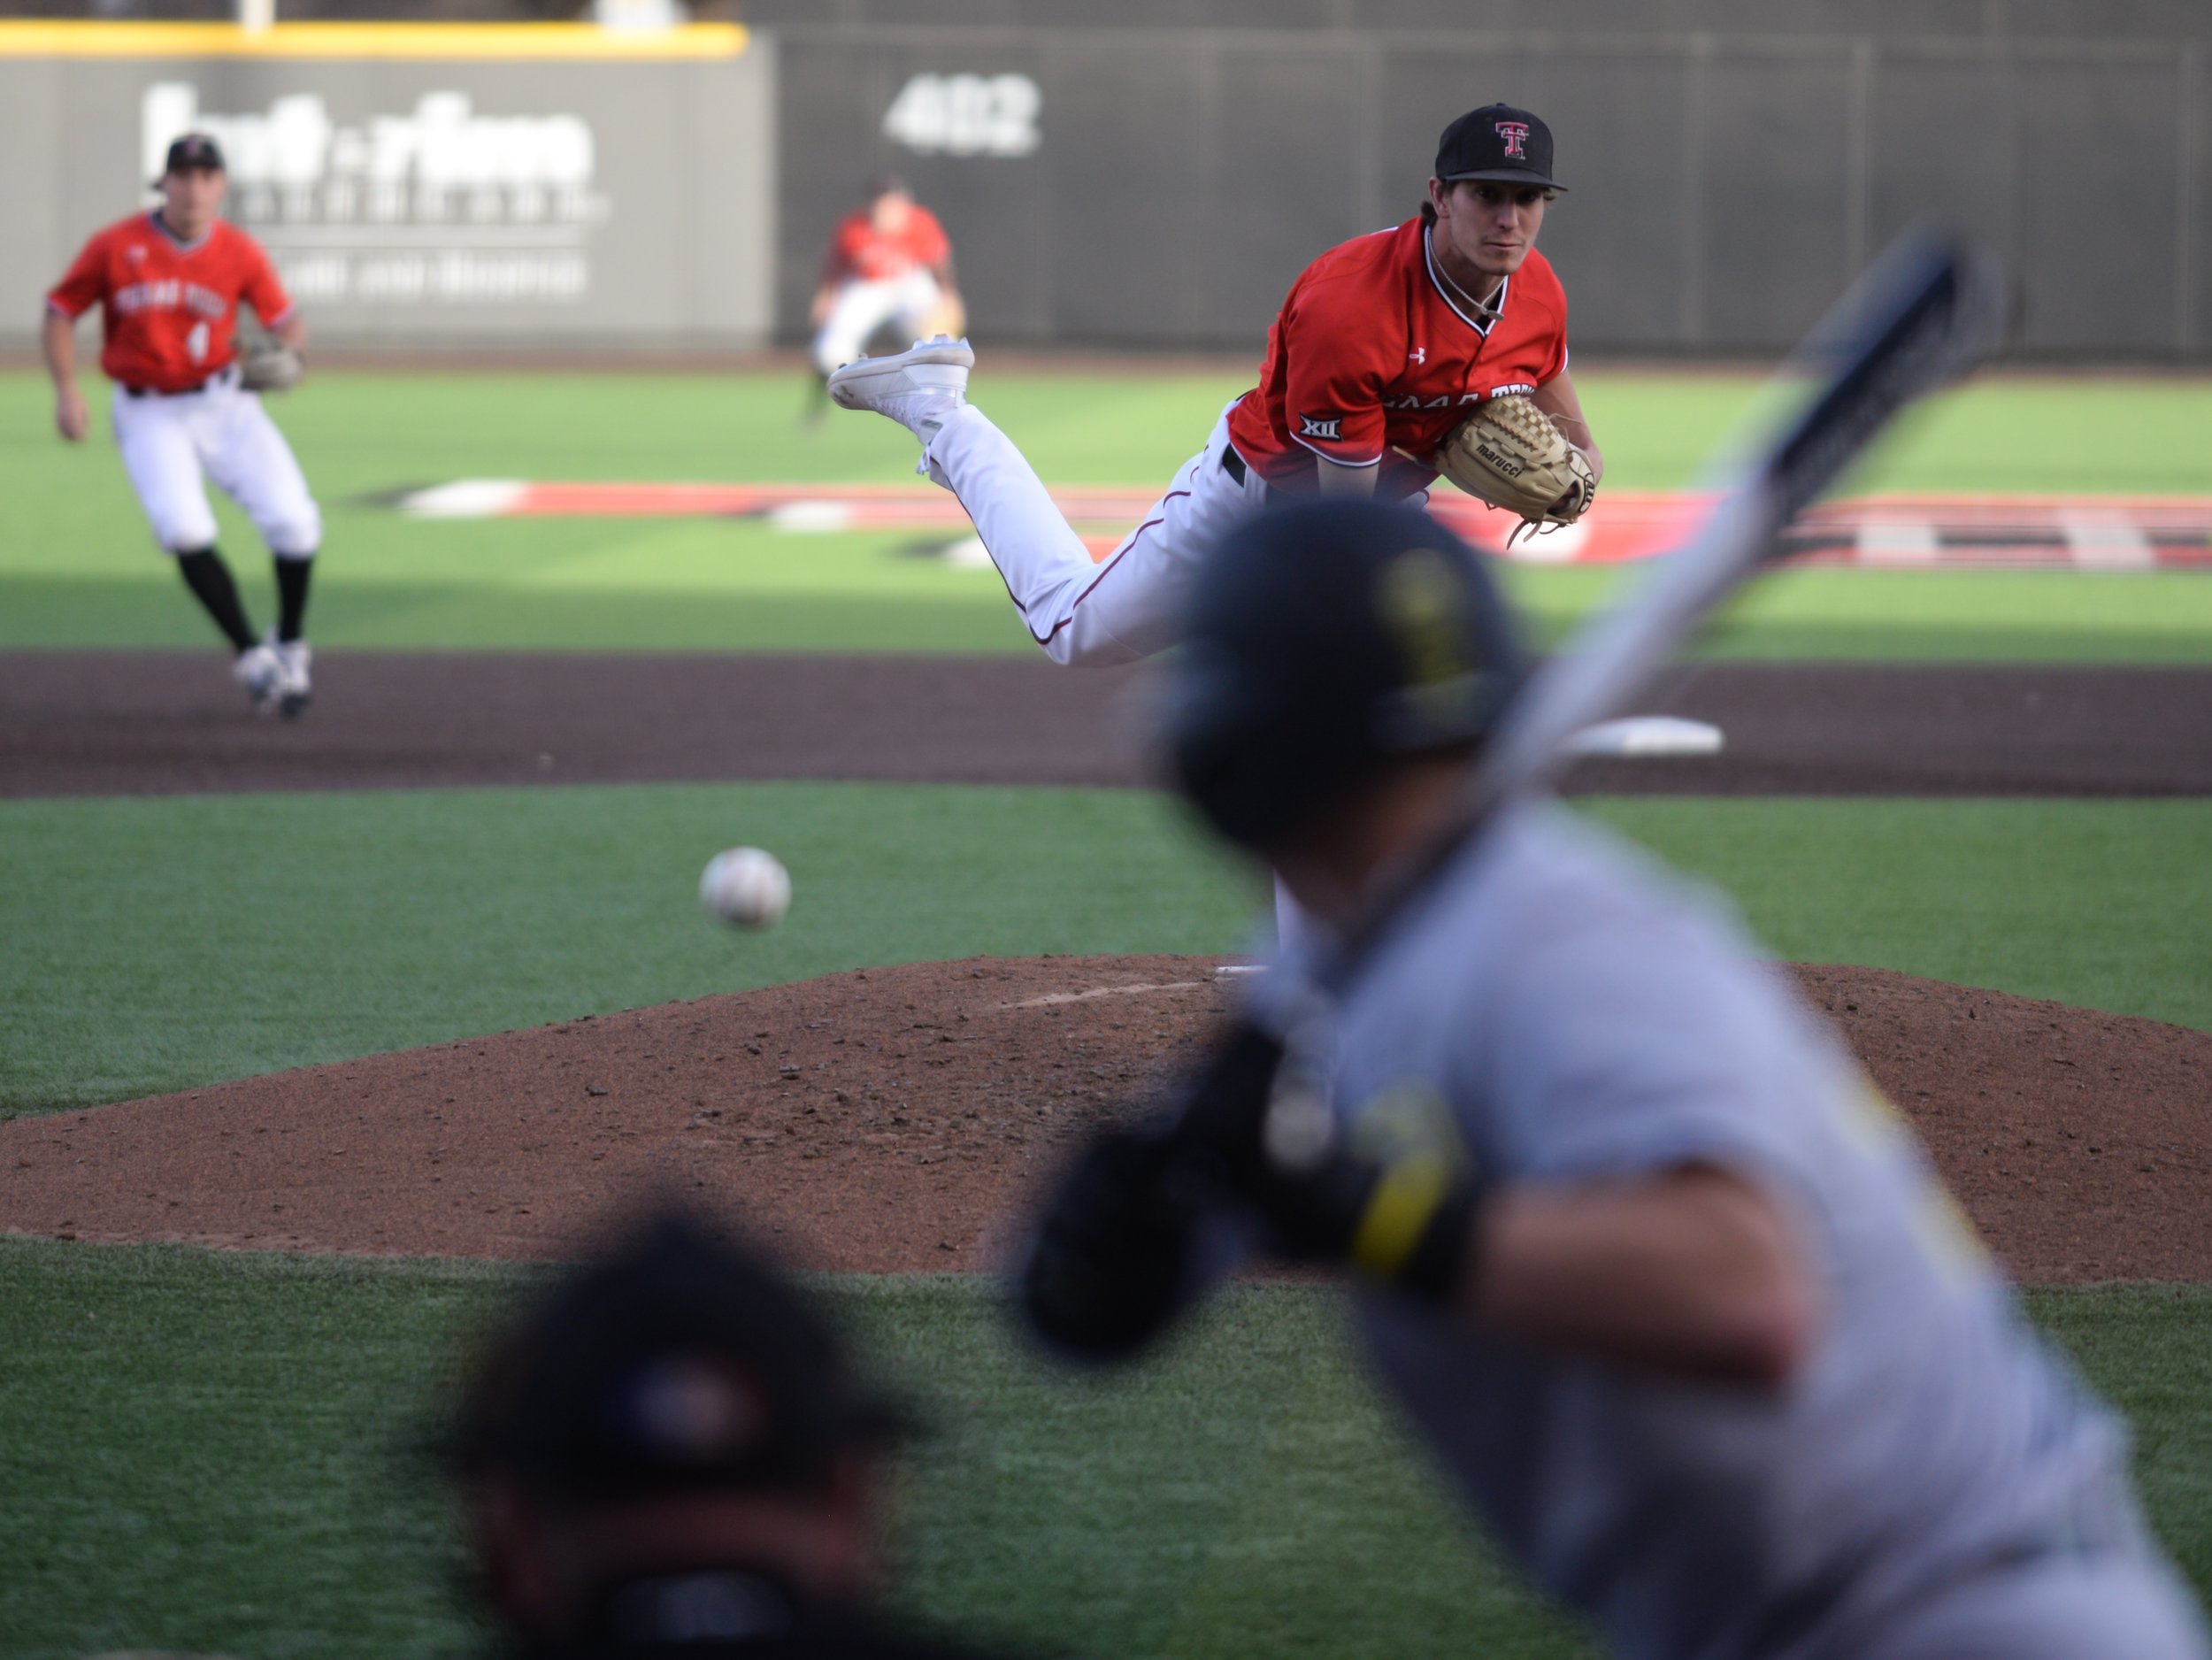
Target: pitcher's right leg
x=1080, y=610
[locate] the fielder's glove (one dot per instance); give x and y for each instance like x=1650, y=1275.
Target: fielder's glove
x=1119, y=1253
x=949, y=317
x=270, y=365
x=1509, y=454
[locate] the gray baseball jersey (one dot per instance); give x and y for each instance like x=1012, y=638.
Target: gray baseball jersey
x=1584, y=1015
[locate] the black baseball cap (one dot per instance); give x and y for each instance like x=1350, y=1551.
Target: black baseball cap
x=193, y=149
x=1497, y=141
x=676, y=1362
x=881, y=184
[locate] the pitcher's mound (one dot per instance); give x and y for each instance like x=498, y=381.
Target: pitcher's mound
x=893, y=1119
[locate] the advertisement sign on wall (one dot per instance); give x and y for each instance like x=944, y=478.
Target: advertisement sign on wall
x=456, y=200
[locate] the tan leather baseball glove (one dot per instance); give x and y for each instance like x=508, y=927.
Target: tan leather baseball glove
x=269, y=365
x=950, y=319
x=1509, y=454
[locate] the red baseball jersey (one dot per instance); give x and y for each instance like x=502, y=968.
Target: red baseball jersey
x=859, y=249
x=1374, y=355
x=168, y=309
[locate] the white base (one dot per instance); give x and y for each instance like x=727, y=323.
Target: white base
x=1646, y=736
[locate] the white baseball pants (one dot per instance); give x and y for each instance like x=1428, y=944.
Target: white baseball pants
x=862, y=308
x=173, y=445
x=1078, y=610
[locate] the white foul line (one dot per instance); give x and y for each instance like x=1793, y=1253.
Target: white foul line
x=1104, y=991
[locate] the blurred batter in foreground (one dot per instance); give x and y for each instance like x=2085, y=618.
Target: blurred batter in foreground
x=1670, y=1292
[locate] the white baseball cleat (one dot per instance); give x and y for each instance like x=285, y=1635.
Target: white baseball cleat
x=260, y=672
x=295, y=690
x=919, y=387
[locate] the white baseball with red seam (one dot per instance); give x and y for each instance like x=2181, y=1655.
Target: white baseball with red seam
x=746, y=888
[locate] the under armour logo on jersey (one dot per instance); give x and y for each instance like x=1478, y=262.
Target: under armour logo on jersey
x=1419, y=354
x=1309, y=426
x=137, y=253
x=1513, y=133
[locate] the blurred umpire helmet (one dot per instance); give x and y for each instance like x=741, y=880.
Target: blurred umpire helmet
x=1325, y=640
x=676, y=1361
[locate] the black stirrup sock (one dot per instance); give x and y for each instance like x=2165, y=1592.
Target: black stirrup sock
x=209, y=578
x=291, y=580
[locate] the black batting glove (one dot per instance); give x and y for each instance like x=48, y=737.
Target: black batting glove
x=1116, y=1255
x=1396, y=1201
x=1115, y=1259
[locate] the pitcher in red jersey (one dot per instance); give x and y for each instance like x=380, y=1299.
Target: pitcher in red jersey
x=1383, y=346
x=168, y=284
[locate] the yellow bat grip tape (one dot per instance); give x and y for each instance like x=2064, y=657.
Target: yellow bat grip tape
x=1404, y=1200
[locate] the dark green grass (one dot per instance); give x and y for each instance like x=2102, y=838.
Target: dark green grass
x=76, y=568
x=200, y=1454
x=2097, y=903
x=149, y=945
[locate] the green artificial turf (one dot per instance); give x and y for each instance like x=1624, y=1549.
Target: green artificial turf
x=204, y=1452
x=2098, y=903
x=156, y=944
x=77, y=569
x=149, y=944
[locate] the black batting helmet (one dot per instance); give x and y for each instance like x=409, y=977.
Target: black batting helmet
x=1323, y=640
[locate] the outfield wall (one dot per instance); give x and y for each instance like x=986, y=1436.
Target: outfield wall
x=1150, y=175
x=1160, y=185
x=422, y=187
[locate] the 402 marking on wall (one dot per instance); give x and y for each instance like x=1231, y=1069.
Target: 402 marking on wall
x=965, y=115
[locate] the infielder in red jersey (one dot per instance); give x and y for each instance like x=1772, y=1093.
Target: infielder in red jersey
x=168, y=284
x=889, y=260
x=1383, y=346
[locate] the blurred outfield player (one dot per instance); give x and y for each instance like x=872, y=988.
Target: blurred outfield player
x=169, y=283
x=1384, y=345
x=670, y=1452
x=889, y=261
x=1670, y=1289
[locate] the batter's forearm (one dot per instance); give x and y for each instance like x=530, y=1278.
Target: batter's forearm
x=1696, y=1273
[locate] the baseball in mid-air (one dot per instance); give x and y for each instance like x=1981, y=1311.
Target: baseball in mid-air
x=746, y=888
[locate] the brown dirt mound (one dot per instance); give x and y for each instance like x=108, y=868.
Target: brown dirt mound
x=892, y=1120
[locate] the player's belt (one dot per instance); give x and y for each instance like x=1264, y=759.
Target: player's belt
x=1232, y=463
x=215, y=380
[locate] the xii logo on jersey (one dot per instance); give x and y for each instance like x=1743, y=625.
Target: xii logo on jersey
x=1321, y=427
x=1513, y=133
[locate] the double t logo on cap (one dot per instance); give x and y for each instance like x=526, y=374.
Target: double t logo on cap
x=1497, y=141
